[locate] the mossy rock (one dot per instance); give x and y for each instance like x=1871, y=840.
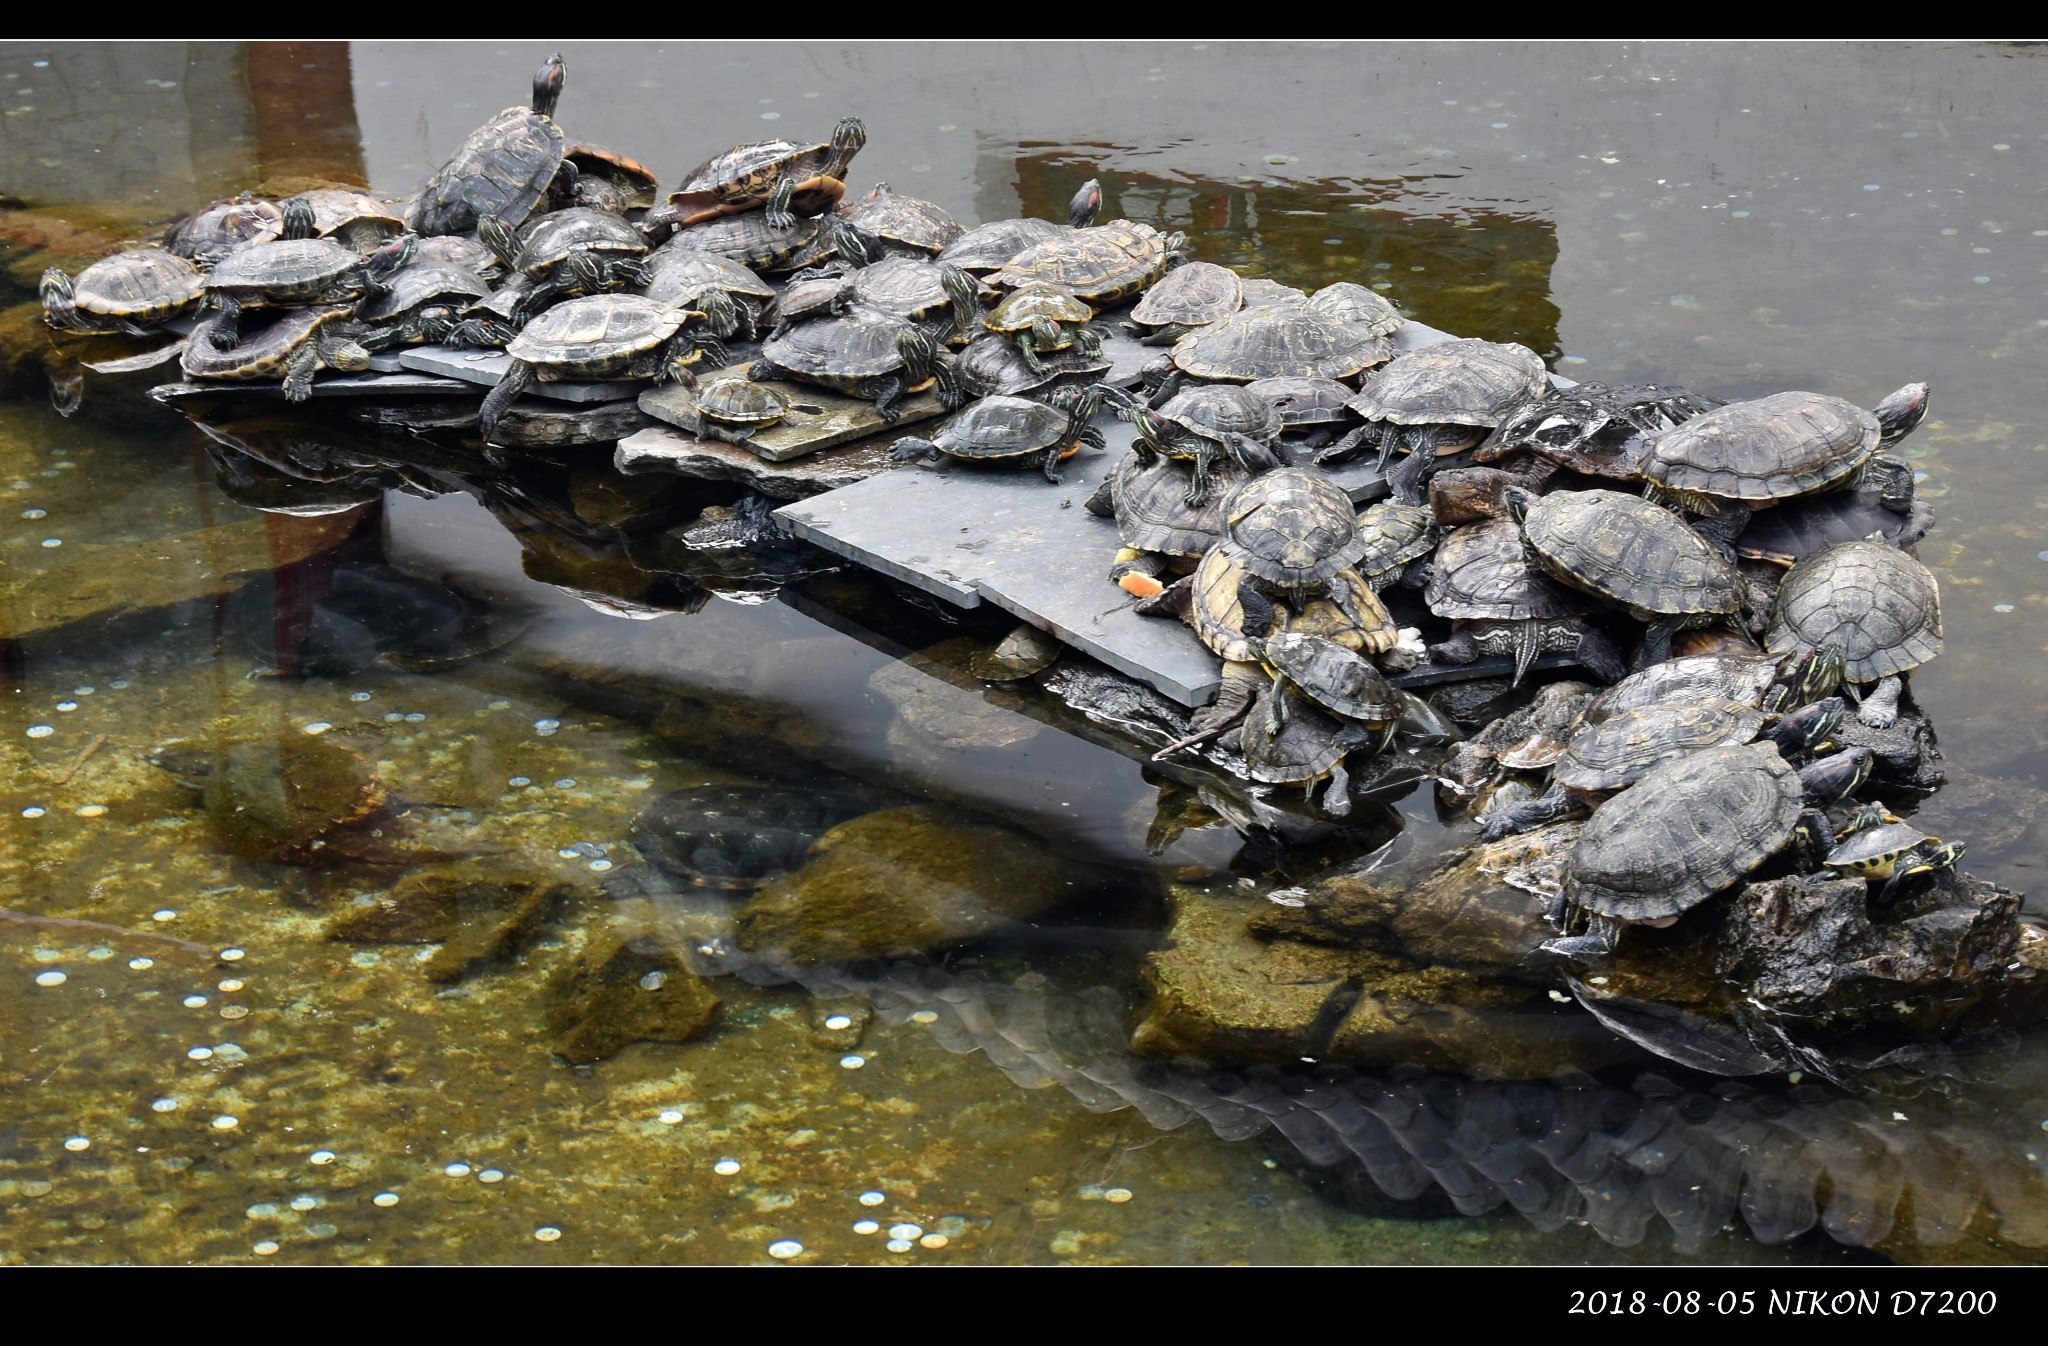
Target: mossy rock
x=625, y=989
x=480, y=915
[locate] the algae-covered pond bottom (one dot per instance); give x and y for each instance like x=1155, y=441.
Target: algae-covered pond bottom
x=474, y=1024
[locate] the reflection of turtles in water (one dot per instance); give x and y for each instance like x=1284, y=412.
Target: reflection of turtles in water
x=291, y=800
x=736, y=837
x=369, y=615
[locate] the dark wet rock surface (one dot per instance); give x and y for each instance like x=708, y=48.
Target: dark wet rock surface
x=621, y=990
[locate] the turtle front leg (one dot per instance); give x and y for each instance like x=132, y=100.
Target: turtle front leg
x=1029, y=340
x=1880, y=708
x=1528, y=815
x=1090, y=344
x=885, y=392
x=1198, y=477
x=298, y=378
x=1407, y=479
x=1923, y=860
x=1092, y=438
x=1364, y=436
x=227, y=328
x=777, y=210
x=1461, y=648
x=1602, y=934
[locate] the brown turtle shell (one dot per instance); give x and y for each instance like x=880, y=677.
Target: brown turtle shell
x=1483, y=573
x=1152, y=513
x=1101, y=264
x=1625, y=549
x=1619, y=751
x=1292, y=527
x=1879, y=604
x=1783, y=445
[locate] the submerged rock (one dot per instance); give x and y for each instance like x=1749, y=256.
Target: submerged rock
x=621, y=990
x=904, y=881
x=480, y=914
x=281, y=800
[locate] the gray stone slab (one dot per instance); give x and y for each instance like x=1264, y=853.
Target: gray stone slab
x=818, y=417
x=487, y=368
x=664, y=449
x=326, y=385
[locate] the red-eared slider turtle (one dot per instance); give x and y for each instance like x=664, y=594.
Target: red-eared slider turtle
x=866, y=355
x=731, y=297
x=352, y=219
x=1772, y=684
x=1355, y=304
x=1273, y=341
x=803, y=300
x=505, y=168
x=1310, y=409
x=1777, y=447
x=1288, y=739
x=1796, y=529
x=459, y=250
x=752, y=240
x=295, y=270
x=1012, y=430
x=916, y=289
x=1292, y=527
x=1882, y=848
x=1500, y=603
x=737, y=837
x=401, y=312
x=993, y=364
x=1339, y=679
x=1147, y=495
x=780, y=179
x=291, y=345
x=1691, y=828
x=573, y=251
x=1038, y=318
x=1207, y=425
x=1878, y=604
x=1213, y=601
x=993, y=246
x=1187, y=297
x=1592, y=428
x=1023, y=652
x=1436, y=401
x=904, y=225
x=601, y=336
x=127, y=292
x=1632, y=553
x=1100, y=264
x=209, y=234
x=1396, y=536
x=732, y=409
x=625, y=182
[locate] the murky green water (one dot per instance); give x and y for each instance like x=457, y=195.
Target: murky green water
x=1741, y=219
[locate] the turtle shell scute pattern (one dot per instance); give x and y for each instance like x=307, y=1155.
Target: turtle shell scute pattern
x=1619, y=751
x=503, y=169
x=1879, y=604
x=142, y=285
x=1626, y=549
x=1464, y=382
x=1483, y=573
x=1292, y=527
x=596, y=335
x=1200, y=292
x=1783, y=445
x=1276, y=341
x=1002, y=427
x=1101, y=264
x=1152, y=513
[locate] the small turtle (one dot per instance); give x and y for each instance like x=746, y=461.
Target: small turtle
x=867, y=355
x=293, y=800
x=737, y=837
x=1012, y=429
x=1498, y=602
x=1038, y=318
x=993, y=246
x=1310, y=409
x=1437, y=401
x=1878, y=604
x=731, y=297
x=1632, y=553
x=1100, y=265
x=1272, y=341
x=1880, y=847
x=1592, y=428
x=505, y=168
x=604, y=336
x=732, y=409
x=903, y=225
x=780, y=179
x=403, y=310
x=1396, y=536
x=1188, y=297
x=353, y=219
x=296, y=269
x=1355, y=304
x=1023, y=652
x=291, y=345
x=1288, y=739
x=1292, y=528
x=752, y=240
x=1207, y=425
x=208, y=234
x=1148, y=496
x=993, y=364
x=573, y=251
x=128, y=292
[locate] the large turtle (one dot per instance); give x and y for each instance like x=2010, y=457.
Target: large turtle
x=1148, y=496
x=1013, y=429
x=128, y=292
x=752, y=240
x=1292, y=528
x=1878, y=604
x=993, y=246
x=1499, y=603
x=1100, y=264
x=731, y=297
x=505, y=168
x=1272, y=341
x=293, y=800
x=1217, y=597
x=602, y=336
x=780, y=179
x=290, y=345
x=1188, y=297
x=867, y=355
x=993, y=364
x=1437, y=401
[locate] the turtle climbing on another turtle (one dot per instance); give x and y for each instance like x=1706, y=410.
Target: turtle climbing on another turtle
x=506, y=167
x=291, y=346
x=1013, y=429
x=1879, y=605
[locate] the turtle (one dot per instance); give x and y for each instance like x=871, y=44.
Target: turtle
x=496, y=318
x=290, y=345
x=993, y=246
x=737, y=837
x=1772, y=684
x=602, y=336
x=296, y=269
x=1614, y=753
x=1039, y=317
x=1437, y=401
x=1340, y=680
x=505, y=168
x=1292, y=528
x=1878, y=604
x=915, y=289
x=732, y=297
x=1341, y=607
x=1632, y=553
x=1260, y=292
x=733, y=408
x=1794, y=530
x=352, y=219
x=1880, y=847
x=993, y=364
x=1592, y=428
x=868, y=355
x=293, y=800
x=578, y=250
x=802, y=300
x=213, y=231
x=1100, y=265
x=1188, y=297
x=459, y=250
x=1355, y=304
x=1287, y=739
x=902, y=225
x=419, y=303
x=1308, y=407
x=1206, y=426
x=1024, y=651
x=1498, y=602
x=1271, y=341
x=1774, y=448
x=607, y=179
x=1147, y=494
x=780, y=179
x=128, y=292
x=1396, y=536
x=752, y=240
x=1012, y=429
x=1688, y=830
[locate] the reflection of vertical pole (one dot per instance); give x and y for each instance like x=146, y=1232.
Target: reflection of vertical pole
x=304, y=100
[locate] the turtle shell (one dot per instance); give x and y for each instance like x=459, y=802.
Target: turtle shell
x=1218, y=409
x=1101, y=264
x=456, y=250
x=228, y=223
x=141, y=285
x=1303, y=401
x=738, y=401
x=335, y=209
x=750, y=240
x=1879, y=604
x=1152, y=513
x=1200, y=292
x=1483, y=573
x=1307, y=748
x=1798, y=528
x=555, y=235
x=857, y=345
x=1213, y=607
x=1351, y=303
x=1342, y=680
x=503, y=169
x=902, y=220
x=417, y=286
x=1030, y=302
x=285, y=270
x=993, y=246
x=679, y=274
x=1394, y=535
x=1783, y=445
x=635, y=181
x=1592, y=428
x=1741, y=678
x=1626, y=549
x=993, y=364
x=737, y=836
x=1260, y=292
x=1620, y=750
x=1685, y=831
x=1465, y=382
x=266, y=347
x=1874, y=852
x=1001, y=427
x=904, y=287
x=596, y=335
x=1274, y=342
x=1292, y=526
x=742, y=178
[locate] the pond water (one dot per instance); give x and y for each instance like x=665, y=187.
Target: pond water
x=1844, y=218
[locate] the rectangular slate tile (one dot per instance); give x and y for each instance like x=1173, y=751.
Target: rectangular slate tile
x=818, y=417
x=487, y=368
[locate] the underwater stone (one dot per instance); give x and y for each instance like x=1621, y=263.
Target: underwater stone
x=622, y=990
x=904, y=881
x=478, y=913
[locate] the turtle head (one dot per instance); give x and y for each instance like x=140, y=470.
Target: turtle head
x=350, y=357
x=547, y=85
x=920, y=354
x=854, y=244
x=494, y=233
x=393, y=257
x=583, y=267
x=1820, y=671
x=1836, y=777
x=847, y=139
x=60, y=302
x=298, y=219
x=1807, y=728
x=1899, y=413
x=1082, y=209
x=1518, y=501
